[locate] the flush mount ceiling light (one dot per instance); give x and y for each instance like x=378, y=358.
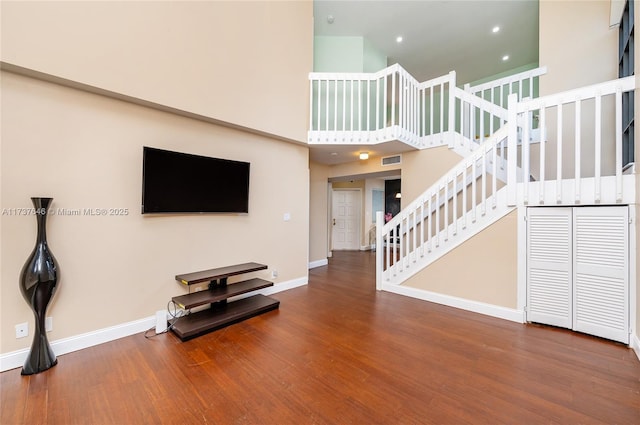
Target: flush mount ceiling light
x=495, y=29
x=505, y=58
x=398, y=195
x=330, y=19
x=399, y=39
x=364, y=155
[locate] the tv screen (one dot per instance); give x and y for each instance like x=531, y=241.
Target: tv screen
x=175, y=182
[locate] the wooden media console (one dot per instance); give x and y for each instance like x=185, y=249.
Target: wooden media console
x=221, y=313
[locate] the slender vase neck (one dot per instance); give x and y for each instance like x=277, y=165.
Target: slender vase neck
x=41, y=206
x=42, y=227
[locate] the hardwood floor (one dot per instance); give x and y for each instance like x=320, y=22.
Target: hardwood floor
x=338, y=352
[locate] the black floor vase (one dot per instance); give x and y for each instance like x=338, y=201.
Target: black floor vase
x=38, y=282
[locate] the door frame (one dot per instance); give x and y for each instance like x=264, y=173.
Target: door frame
x=330, y=215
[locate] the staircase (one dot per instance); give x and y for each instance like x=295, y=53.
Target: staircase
x=517, y=150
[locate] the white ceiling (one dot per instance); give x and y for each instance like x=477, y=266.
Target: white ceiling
x=438, y=36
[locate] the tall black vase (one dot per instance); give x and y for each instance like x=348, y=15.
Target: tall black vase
x=38, y=280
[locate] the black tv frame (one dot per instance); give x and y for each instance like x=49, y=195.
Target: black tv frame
x=183, y=183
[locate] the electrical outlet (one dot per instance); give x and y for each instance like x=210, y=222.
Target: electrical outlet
x=48, y=324
x=22, y=330
x=274, y=274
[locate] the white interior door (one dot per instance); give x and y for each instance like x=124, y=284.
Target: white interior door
x=601, y=264
x=345, y=219
x=549, y=266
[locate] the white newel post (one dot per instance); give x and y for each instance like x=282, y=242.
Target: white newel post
x=512, y=145
x=452, y=108
x=379, y=249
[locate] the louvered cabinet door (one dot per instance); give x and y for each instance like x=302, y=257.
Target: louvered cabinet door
x=601, y=272
x=549, y=266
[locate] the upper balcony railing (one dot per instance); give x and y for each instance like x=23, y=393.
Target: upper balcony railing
x=524, y=85
x=357, y=108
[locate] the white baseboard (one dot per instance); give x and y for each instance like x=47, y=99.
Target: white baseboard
x=62, y=346
x=367, y=247
x=505, y=313
x=318, y=263
x=635, y=344
x=283, y=286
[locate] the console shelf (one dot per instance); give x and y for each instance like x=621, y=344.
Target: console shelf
x=219, y=273
x=219, y=293
x=217, y=317
x=221, y=313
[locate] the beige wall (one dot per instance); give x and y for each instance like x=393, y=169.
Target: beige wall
x=482, y=269
x=579, y=48
x=240, y=63
x=576, y=44
x=421, y=169
x=244, y=63
x=85, y=151
x=355, y=168
x=318, y=209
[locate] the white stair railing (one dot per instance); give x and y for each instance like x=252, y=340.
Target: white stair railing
x=475, y=119
x=451, y=206
x=523, y=84
x=581, y=141
x=352, y=108
x=585, y=123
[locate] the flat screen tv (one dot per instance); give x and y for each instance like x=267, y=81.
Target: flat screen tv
x=175, y=182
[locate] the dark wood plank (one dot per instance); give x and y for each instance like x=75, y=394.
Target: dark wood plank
x=339, y=352
x=219, y=316
x=218, y=273
x=220, y=293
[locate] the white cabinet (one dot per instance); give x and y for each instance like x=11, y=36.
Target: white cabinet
x=578, y=269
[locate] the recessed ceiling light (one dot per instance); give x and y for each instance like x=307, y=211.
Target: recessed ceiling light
x=495, y=29
x=399, y=39
x=505, y=58
x=334, y=153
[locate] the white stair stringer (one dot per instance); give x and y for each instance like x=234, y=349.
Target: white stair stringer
x=423, y=256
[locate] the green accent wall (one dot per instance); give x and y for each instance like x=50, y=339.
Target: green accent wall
x=373, y=60
x=346, y=54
